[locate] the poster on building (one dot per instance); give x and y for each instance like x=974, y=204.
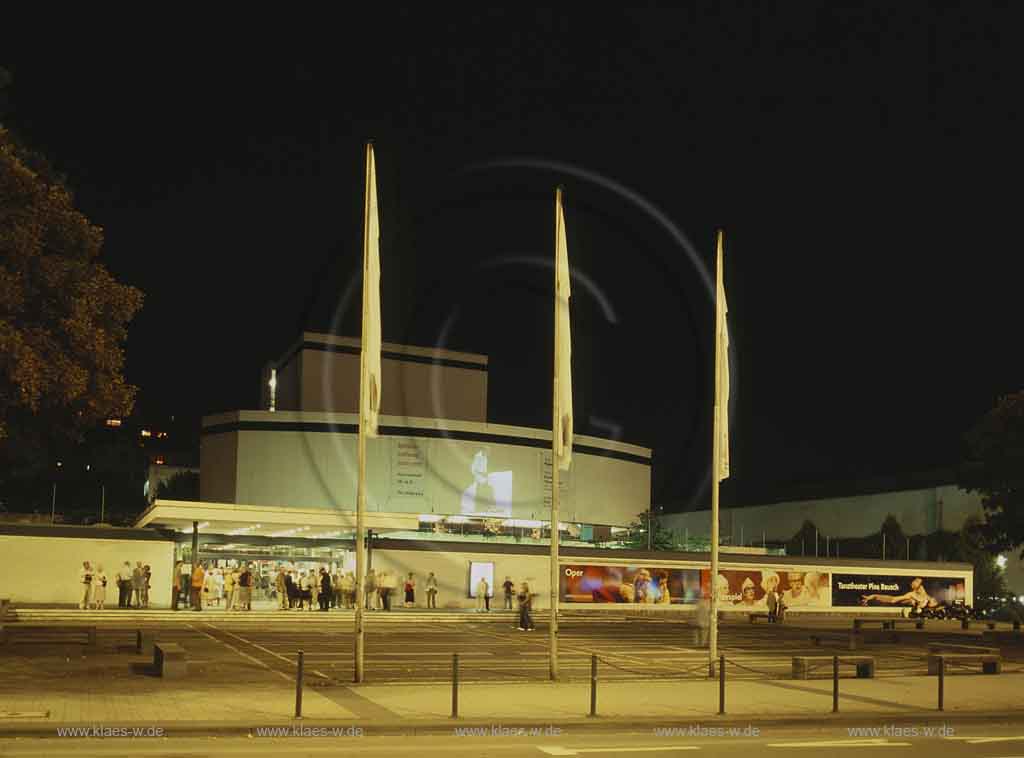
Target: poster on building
x=747, y=589
x=879, y=590
x=408, y=468
x=587, y=583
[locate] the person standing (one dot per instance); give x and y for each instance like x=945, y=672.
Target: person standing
x=138, y=583
x=85, y=581
x=176, y=587
x=703, y=619
x=326, y=591
x=245, y=589
x=198, y=579
x=371, y=590
x=483, y=603
x=510, y=590
x=336, y=589
x=147, y=573
x=185, y=578
x=772, y=601
x=348, y=590
x=124, y=586
x=281, y=586
x=99, y=588
x=229, y=589
x=431, y=591
x=525, y=603
x=410, y=591
x=384, y=583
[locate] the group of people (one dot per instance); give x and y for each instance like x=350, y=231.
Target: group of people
x=202, y=586
x=132, y=584
x=521, y=599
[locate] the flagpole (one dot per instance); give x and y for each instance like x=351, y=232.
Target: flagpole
x=716, y=466
x=360, y=646
x=556, y=431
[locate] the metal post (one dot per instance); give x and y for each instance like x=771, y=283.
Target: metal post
x=298, y=688
x=53, y=505
x=721, y=685
x=764, y=543
x=827, y=550
x=815, y=543
x=593, y=684
x=138, y=641
x=883, y=545
x=195, y=557
x=742, y=541
x=908, y=548
x=455, y=685
x=835, y=684
x=942, y=677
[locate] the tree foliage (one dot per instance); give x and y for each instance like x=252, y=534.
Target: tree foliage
x=659, y=539
x=63, y=316
x=996, y=470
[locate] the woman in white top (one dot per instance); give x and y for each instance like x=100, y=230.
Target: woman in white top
x=99, y=588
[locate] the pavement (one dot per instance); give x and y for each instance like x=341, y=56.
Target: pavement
x=241, y=677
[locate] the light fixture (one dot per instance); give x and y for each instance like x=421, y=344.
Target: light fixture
x=430, y=518
x=457, y=520
x=201, y=526
x=1001, y=561
x=273, y=389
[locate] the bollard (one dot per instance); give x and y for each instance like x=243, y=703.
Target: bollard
x=138, y=641
x=835, y=684
x=593, y=684
x=721, y=685
x=942, y=677
x=455, y=685
x=965, y=623
x=298, y=689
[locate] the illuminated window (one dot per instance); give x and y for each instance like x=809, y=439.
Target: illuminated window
x=159, y=460
x=146, y=433
x=113, y=422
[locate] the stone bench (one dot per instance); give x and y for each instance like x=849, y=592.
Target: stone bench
x=755, y=616
x=853, y=639
x=892, y=623
x=954, y=647
x=990, y=662
x=5, y=604
x=169, y=660
x=861, y=622
x=10, y=632
x=803, y=664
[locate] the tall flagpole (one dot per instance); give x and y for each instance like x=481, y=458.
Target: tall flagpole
x=360, y=641
x=556, y=431
x=716, y=465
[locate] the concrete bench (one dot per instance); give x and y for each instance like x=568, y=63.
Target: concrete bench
x=990, y=662
x=755, y=616
x=169, y=660
x=853, y=639
x=10, y=632
x=860, y=623
x=953, y=647
x=5, y=604
x=802, y=664
x=893, y=623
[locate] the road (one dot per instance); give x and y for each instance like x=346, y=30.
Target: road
x=995, y=740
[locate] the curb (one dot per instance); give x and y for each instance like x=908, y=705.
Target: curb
x=447, y=726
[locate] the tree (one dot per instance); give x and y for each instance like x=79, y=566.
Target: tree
x=989, y=579
x=63, y=316
x=802, y=543
x=182, y=486
x=659, y=539
x=995, y=469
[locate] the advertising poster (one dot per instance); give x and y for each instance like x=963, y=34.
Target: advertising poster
x=747, y=589
x=879, y=590
x=585, y=583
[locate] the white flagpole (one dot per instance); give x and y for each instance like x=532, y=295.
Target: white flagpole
x=716, y=463
x=364, y=381
x=556, y=433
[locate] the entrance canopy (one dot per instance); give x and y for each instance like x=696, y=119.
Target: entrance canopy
x=267, y=521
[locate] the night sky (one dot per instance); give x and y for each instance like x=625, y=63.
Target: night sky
x=863, y=163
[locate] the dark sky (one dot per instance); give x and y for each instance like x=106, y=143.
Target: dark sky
x=863, y=162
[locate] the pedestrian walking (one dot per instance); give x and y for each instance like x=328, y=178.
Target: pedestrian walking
x=147, y=575
x=703, y=619
x=176, y=586
x=281, y=586
x=245, y=589
x=326, y=591
x=370, y=585
x=525, y=604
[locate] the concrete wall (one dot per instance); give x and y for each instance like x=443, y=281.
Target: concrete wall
x=41, y=569
x=452, y=572
x=307, y=462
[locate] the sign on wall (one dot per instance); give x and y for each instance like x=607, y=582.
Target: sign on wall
x=879, y=590
x=748, y=588
x=587, y=583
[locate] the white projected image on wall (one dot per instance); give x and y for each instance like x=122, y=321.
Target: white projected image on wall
x=490, y=492
x=481, y=570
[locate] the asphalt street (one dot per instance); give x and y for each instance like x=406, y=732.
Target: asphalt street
x=996, y=740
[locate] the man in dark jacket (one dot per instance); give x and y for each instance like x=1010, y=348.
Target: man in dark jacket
x=325, y=589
